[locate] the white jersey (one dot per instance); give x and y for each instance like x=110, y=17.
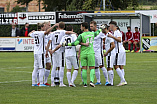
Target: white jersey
x=56, y=37
x=118, y=45
x=46, y=40
x=69, y=50
x=108, y=42
x=39, y=41
x=98, y=42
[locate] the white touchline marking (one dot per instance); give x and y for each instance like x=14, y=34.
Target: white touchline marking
x=15, y=81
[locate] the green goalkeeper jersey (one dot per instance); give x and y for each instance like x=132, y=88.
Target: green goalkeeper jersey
x=86, y=37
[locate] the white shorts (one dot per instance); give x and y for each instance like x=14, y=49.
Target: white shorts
x=39, y=61
x=72, y=61
x=110, y=61
x=48, y=59
x=99, y=59
x=58, y=59
x=120, y=59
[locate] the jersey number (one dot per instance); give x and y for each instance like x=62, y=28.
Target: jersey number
x=68, y=40
x=89, y=40
x=36, y=40
x=56, y=36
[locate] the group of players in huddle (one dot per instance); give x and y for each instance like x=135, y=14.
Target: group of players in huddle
x=60, y=47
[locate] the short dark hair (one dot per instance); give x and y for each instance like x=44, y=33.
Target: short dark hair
x=69, y=28
x=113, y=22
x=84, y=24
x=61, y=25
x=118, y=28
x=93, y=22
x=128, y=27
x=26, y=23
x=136, y=27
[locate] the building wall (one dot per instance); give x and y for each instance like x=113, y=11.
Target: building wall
x=32, y=6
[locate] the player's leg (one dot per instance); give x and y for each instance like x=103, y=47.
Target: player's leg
x=91, y=64
x=84, y=69
x=34, y=73
x=134, y=45
x=97, y=71
x=122, y=69
x=75, y=64
x=56, y=78
x=123, y=62
x=68, y=66
x=61, y=70
x=117, y=68
x=47, y=72
x=101, y=65
x=41, y=69
x=54, y=61
x=81, y=74
x=129, y=46
x=109, y=62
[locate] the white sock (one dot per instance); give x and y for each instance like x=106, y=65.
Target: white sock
x=41, y=75
x=47, y=72
x=119, y=72
x=105, y=73
x=69, y=77
x=97, y=74
x=111, y=76
x=81, y=76
x=61, y=74
x=57, y=73
x=37, y=76
x=123, y=72
x=75, y=72
x=34, y=75
x=53, y=74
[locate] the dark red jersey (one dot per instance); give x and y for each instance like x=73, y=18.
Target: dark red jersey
x=136, y=36
x=129, y=36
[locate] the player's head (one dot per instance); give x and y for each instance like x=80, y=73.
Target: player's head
x=56, y=27
x=40, y=27
x=136, y=29
x=93, y=25
x=61, y=25
x=84, y=25
x=26, y=24
x=13, y=25
x=113, y=25
x=106, y=29
x=47, y=25
x=69, y=28
x=129, y=28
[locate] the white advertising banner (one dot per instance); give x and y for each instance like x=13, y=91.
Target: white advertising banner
x=36, y=17
x=7, y=44
x=123, y=24
x=151, y=13
x=24, y=44
x=102, y=21
x=135, y=23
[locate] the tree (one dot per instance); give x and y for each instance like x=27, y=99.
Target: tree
x=17, y=9
x=24, y=2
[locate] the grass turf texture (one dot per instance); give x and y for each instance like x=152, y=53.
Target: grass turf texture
x=15, y=83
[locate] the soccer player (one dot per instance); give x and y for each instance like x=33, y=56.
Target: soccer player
x=38, y=54
x=70, y=56
x=129, y=37
x=110, y=54
x=58, y=56
x=123, y=36
x=87, y=53
x=98, y=49
x=120, y=58
x=136, y=39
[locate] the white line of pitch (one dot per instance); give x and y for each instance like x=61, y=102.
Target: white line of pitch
x=15, y=81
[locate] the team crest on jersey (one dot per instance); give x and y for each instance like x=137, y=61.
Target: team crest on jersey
x=146, y=43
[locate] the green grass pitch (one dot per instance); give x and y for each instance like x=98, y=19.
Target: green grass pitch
x=15, y=83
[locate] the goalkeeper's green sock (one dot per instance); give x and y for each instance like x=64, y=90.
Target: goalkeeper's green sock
x=92, y=75
x=84, y=76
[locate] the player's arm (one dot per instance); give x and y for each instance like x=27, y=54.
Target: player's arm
x=47, y=48
x=85, y=44
x=79, y=52
x=70, y=32
x=75, y=43
x=97, y=32
x=112, y=47
x=52, y=51
x=118, y=39
x=31, y=32
x=48, y=31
